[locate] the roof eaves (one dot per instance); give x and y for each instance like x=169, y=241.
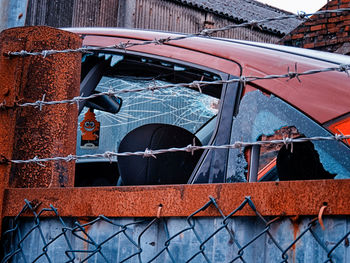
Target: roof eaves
x=267, y=27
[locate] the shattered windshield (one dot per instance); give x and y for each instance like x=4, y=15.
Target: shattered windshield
x=178, y=106
x=264, y=117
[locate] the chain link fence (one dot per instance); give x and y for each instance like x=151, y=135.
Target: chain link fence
x=47, y=237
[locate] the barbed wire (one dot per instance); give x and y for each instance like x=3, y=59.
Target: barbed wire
x=197, y=84
x=189, y=148
x=205, y=32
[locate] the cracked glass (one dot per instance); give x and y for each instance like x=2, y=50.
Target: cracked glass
x=263, y=117
x=179, y=106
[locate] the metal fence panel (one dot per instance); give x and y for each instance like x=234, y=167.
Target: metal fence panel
x=191, y=239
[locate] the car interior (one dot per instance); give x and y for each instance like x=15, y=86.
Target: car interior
x=168, y=168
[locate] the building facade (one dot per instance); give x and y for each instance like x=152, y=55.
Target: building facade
x=327, y=32
x=167, y=15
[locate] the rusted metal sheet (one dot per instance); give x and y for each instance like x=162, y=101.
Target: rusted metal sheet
x=270, y=198
x=50, y=131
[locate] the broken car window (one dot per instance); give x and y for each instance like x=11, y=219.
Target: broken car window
x=179, y=106
x=141, y=105
x=264, y=117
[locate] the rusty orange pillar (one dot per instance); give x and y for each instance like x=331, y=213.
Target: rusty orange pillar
x=27, y=132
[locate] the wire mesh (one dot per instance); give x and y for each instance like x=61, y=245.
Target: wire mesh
x=47, y=237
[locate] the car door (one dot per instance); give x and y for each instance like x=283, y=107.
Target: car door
x=199, y=110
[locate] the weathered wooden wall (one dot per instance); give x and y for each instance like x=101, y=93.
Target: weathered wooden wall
x=146, y=14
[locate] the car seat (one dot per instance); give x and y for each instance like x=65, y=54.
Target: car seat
x=167, y=168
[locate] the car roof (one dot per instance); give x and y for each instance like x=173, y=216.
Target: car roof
x=323, y=96
x=310, y=53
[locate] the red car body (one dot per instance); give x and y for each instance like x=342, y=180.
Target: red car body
x=323, y=97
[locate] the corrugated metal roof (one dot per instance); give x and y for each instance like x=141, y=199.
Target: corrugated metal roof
x=247, y=10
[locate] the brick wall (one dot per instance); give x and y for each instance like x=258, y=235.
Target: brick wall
x=328, y=32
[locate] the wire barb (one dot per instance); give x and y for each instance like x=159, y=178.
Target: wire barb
x=108, y=155
x=196, y=84
x=41, y=102
x=255, y=24
x=38, y=161
x=301, y=15
x=345, y=68
x=243, y=80
x=294, y=74
x=149, y=153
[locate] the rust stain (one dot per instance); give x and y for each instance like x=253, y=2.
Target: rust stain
x=218, y=191
x=295, y=222
x=182, y=192
x=82, y=234
x=296, y=230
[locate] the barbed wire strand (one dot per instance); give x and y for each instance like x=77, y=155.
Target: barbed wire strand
x=205, y=32
x=190, y=148
x=194, y=84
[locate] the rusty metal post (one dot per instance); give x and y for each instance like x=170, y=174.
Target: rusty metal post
x=28, y=132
